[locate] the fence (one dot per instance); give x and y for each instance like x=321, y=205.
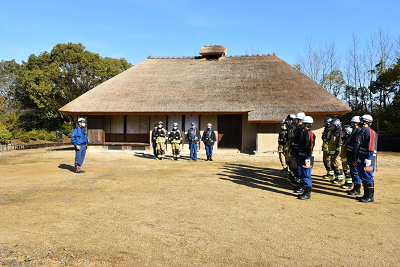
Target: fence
x=13, y=147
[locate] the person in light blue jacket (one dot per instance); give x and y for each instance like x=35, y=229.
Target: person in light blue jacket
x=80, y=141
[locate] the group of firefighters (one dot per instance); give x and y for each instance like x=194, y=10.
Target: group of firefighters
x=349, y=154
x=160, y=138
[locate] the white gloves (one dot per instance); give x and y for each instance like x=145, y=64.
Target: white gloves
x=367, y=162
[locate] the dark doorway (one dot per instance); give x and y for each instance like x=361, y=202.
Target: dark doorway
x=230, y=131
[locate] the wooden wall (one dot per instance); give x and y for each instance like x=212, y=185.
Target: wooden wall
x=95, y=129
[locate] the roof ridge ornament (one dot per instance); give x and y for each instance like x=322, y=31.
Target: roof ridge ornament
x=213, y=51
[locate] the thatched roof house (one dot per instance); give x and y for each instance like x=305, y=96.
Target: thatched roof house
x=262, y=88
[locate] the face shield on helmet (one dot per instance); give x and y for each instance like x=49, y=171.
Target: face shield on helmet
x=327, y=120
x=347, y=129
x=336, y=123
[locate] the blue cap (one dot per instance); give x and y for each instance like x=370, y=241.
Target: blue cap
x=193, y=123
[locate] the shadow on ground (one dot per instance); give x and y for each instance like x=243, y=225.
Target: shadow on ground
x=151, y=156
x=67, y=167
x=274, y=181
x=62, y=148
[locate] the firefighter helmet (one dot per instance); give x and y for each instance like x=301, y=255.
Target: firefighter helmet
x=300, y=115
x=291, y=117
x=308, y=120
x=347, y=129
x=366, y=118
x=327, y=120
x=355, y=119
x=336, y=122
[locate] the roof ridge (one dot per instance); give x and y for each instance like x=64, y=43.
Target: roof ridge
x=198, y=57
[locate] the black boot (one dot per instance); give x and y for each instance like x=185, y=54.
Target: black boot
x=355, y=191
x=371, y=190
x=366, y=193
x=211, y=158
x=208, y=158
x=306, y=194
x=299, y=189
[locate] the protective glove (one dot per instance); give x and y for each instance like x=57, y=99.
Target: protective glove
x=367, y=162
x=308, y=162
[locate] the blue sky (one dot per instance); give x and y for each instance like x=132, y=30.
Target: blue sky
x=135, y=30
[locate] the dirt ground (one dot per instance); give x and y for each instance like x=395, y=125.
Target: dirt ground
x=131, y=210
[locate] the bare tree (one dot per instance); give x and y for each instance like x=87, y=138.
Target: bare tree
x=310, y=64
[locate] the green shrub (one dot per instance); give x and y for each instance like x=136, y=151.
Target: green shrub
x=5, y=135
x=42, y=136
x=16, y=134
x=33, y=135
x=67, y=129
x=24, y=138
x=52, y=137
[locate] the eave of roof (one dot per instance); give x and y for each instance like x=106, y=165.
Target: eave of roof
x=265, y=87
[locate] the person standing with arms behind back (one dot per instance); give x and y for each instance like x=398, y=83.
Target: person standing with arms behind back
x=193, y=138
x=365, y=152
x=209, y=138
x=79, y=140
x=305, y=158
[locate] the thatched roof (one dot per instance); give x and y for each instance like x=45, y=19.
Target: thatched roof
x=265, y=87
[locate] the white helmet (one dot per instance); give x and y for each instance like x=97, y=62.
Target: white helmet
x=81, y=120
x=308, y=119
x=367, y=118
x=300, y=115
x=209, y=124
x=355, y=119
x=175, y=124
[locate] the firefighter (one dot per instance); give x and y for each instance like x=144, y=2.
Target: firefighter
x=294, y=150
x=305, y=159
x=288, y=137
x=326, y=157
x=334, y=148
x=209, y=138
x=350, y=157
x=153, y=140
x=281, y=144
x=161, y=140
x=175, y=138
x=346, y=133
x=365, y=156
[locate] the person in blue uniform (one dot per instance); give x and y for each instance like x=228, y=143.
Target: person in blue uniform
x=80, y=141
x=193, y=137
x=356, y=181
x=305, y=159
x=209, y=138
x=365, y=156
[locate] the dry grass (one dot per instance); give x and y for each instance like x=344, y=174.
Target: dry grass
x=131, y=210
